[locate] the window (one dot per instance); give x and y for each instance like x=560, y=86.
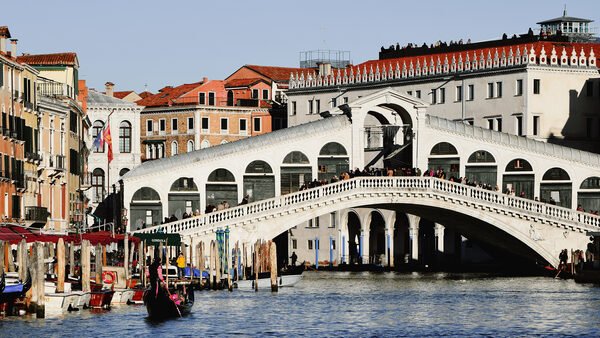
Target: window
x=471, y=93
x=310, y=244
x=418, y=94
x=333, y=244
x=317, y=222
x=469, y=121
x=294, y=108
x=459, y=93
x=149, y=125
x=318, y=106
x=97, y=185
x=499, y=89
x=433, y=96
x=257, y=126
x=310, y=223
x=190, y=146
x=211, y=99
x=490, y=93
x=125, y=137
x=536, y=126
x=310, y=106
x=96, y=130
x=224, y=125
x=345, y=99
x=332, y=220
x=190, y=123
x=499, y=124
x=255, y=93
x=536, y=86
x=162, y=125
x=243, y=127
x=442, y=95
x=519, y=88
x=333, y=102
x=520, y=125
x=205, y=124
x=409, y=92
x=590, y=88
x=490, y=124
x=201, y=98
x=174, y=148
x=265, y=93
x=148, y=217
x=295, y=244
x=174, y=128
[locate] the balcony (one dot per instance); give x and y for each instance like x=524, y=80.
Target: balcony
x=54, y=89
x=28, y=105
x=57, y=164
x=33, y=157
x=86, y=181
x=36, y=216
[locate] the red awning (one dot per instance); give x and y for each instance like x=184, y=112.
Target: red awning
x=14, y=234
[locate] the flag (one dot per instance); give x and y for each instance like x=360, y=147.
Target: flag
x=108, y=140
x=98, y=141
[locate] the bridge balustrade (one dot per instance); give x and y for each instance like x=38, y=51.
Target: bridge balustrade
x=372, y=184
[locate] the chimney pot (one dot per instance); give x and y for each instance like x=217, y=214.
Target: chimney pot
x=13, y=49
x=204, y=79
x=109, y=88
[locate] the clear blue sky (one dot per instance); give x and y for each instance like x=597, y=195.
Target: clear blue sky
x=158, y=43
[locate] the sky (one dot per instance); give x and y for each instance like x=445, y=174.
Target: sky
x=151, y=44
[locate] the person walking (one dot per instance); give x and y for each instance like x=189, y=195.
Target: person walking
x=294, y=258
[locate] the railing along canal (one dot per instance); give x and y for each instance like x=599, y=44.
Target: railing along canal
x=377, y=184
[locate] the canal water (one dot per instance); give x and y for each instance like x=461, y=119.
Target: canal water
x=356, y=305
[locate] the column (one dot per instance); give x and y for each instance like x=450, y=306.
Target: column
x=439, y=237
x=413, y=230
x=389, y=253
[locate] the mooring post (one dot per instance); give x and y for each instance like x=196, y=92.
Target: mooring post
x=256, y=263
x=60, y=253
x=99, y=263
x=126, y=258
x=21, y=258
x=39, y=280
x=273, y=253
x=85, y=266
x=3, y=262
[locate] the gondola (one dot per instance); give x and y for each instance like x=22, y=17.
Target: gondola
x=10, y=292
x=174, y=302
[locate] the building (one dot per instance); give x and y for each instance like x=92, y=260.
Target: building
x=194, y=116
x=123, y=119
x=62, y=139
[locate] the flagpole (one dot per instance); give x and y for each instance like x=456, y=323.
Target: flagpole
x=108, y=162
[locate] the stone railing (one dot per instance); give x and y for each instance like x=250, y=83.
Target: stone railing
x=400, y=184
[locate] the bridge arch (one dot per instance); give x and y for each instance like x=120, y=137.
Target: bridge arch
x=221, y=186
x=481, y=168
x=444, y=156
x=556, y=187
x=145, y=208
x=376, y=229
x=183, y=197
x=296, y=170
x=259, y=181
x=588, y=195
x=519, y=178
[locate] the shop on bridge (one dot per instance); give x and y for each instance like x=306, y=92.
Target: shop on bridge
x=183, y=197
x=259, y=181
x=589, y=194
x=221, y=187
x=481, y=168
x=445, y=156
x=333, y=160
x=556, y=187
x=519, y=177
x=295, y=171
x=146, y=208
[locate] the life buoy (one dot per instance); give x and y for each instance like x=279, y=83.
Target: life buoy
x=109, y=277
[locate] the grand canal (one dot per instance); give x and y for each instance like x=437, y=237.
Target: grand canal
x=357, y=304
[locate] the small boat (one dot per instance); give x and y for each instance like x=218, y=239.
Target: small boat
x=11, y=291
x=265, y=283
x=61, y=302
x=101, y=298
x=173, y=302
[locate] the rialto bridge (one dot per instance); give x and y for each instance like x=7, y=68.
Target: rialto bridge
x=376, y=215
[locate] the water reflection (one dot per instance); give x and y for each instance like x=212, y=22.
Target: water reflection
x=358, y=304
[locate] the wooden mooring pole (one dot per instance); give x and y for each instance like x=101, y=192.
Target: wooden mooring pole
x=273, y=267
x=85, y=260
x=37, y=287
x=60, y=253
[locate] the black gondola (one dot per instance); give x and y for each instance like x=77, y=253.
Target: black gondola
x=163, y=303
x=11, y=292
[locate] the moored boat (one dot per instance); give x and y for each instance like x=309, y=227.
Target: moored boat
x=173, y=302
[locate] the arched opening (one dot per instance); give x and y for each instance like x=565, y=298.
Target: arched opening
x=259, y=181
x=354, y=238
x=184, y=197
x=98, y=190
x=377, y=239
x=205, y=144
x=401, y=239
x=125, y=137
x=518, y=178
x=427, y=252
x=333, y=160
x=481, y=169
x=146, y=208
x=588, y=196
x=97, y=128
x=174, y=148
x=397, y=134
x=123, y=171
x=230, y=97
x=221, y=187
x=556, y=187
x=444, y=161
x=295, y=171
x=190, y=146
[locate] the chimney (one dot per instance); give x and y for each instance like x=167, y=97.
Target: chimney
x=324, y=68
x=204, y=79
x=2, y=43
x=13, y=47
x=109, y=88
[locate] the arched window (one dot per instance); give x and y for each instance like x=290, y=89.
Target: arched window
x=332, y=149
x=97, y=129
x=259, y=167
x=174, y=148
x=296, y=157
x=145, y=194
x=98, y=185
x=591, y=183
x=123, y=171
x=556, y=174
x=190, y=146
x=230, y=97
x=481, y=156
x=204, y=144
x=443, y=148
x=125, y=137
x=519, y=165
x=221, y=175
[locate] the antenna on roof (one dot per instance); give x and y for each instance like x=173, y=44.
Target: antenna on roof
x=565, y=11
x=145, y=87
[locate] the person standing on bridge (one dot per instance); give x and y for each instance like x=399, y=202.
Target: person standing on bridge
x=180, y=265
x=294, y=258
